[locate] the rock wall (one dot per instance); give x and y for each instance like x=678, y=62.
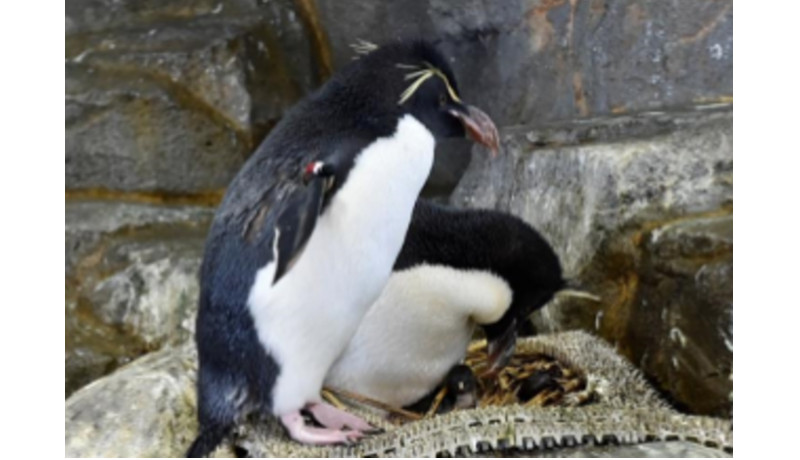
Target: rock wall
x=152, y=87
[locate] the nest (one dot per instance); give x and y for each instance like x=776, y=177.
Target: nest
x=531, y=379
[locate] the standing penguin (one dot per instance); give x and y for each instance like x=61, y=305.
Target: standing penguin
x=290, y=267
x=457, y=269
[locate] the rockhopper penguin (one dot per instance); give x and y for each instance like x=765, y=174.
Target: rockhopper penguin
x=457, y=269
x=291, y=265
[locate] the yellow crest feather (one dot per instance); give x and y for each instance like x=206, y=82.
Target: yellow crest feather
x=419, y=75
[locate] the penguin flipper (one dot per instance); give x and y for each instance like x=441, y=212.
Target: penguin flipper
x=295, y=224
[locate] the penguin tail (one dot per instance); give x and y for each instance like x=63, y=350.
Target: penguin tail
x=208, y=439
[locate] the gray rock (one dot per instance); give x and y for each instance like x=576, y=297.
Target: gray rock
x=131, y=276
x=145, y=409
x=128, y=133
x=577, y=194
x=88, y=221
x=683, y=330
x=638, y=209
x=523, y=60
x=153, y=88
x=554, y=60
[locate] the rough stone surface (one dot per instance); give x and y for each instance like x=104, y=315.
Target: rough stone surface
x=145, y=409
x=577, y=194
x=172, y=96
x=684, y=324
x=551, y=60
x=545, y=60
x=637, y=208
x=131, y=277
x=152, y=87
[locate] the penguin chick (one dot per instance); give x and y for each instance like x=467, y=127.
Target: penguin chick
x=462, y=388
x=296, y=254
x=462, y=392
x=457, y=269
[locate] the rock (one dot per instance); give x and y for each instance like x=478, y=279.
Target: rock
x=131, y=276
x=546, y=60
x=637, y=208
x=145, y=409
x=152, y=88
x=577, y=193
x=553, y=60
x=683, y=331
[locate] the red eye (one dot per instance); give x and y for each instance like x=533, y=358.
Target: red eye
x=442, y=100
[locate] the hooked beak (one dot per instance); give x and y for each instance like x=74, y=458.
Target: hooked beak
x=479, y=127
x=500, y=348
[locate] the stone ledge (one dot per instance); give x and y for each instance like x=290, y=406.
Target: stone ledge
x=131, y=282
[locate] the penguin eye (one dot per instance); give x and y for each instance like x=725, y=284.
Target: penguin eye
x=442, y=100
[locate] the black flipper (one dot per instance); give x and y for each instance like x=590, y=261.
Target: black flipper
x=298, y=219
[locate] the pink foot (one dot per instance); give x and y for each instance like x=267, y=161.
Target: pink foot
x=333, y=417
x=298, y=430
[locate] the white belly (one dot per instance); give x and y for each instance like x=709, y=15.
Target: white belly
x=416, y=331
x=306, y=319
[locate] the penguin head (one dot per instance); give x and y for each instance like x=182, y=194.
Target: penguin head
x=533, y=270
x=412, y=77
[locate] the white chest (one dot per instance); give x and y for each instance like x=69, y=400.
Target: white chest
x=306, y=319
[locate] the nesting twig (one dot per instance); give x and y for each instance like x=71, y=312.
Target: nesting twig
x=375, y=403
x=328, y=395
x=504, y=387
x=437, y=401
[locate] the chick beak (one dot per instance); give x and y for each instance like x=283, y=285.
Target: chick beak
x=500, y=349
x=479, y=127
